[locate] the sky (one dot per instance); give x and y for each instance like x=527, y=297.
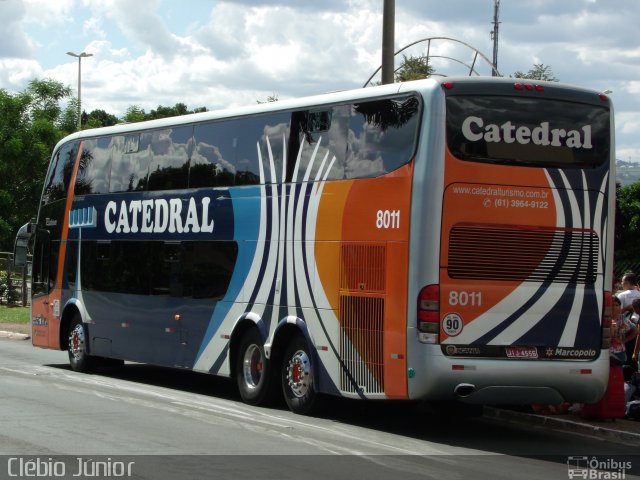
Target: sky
x=223, y=53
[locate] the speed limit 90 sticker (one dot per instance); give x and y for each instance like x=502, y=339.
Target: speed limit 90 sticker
x=452, y=324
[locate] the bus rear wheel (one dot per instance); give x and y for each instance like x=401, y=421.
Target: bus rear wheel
x=79, y=359
x=297, y=377
x=253, y=372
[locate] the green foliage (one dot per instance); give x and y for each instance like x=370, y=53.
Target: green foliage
x=29, y=129
x=15, y=315
x=45, y=97
x=98, y=118
x=68, y=120
x=135, y=113
x=628, y=223
x=539, y=71
x=414, y=68
x=8, y=294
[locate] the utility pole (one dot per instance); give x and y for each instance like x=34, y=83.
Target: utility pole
x=388, y=40
x=494, y=36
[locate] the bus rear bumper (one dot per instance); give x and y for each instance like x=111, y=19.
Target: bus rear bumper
x=508, y=381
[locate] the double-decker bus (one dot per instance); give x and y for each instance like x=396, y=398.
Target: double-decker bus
x=436, y=240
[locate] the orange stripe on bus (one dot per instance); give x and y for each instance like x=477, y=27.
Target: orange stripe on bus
x=65, y=225
x=56, y=293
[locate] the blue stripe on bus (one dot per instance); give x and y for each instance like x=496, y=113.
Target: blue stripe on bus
x=246, y=215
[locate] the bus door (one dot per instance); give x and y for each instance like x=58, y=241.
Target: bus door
x=45, y=304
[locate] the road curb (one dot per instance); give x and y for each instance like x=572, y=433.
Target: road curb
x=564, y=424
x=14, y=335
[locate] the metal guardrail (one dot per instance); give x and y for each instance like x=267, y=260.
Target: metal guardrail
x=15, y=284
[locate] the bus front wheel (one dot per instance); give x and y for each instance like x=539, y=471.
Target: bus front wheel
x=77, y=347
x=253, y=369
x=297, y=377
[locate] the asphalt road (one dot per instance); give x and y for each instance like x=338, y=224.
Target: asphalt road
x=165, y=423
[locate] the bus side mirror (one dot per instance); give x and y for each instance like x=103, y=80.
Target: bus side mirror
x=21, y=245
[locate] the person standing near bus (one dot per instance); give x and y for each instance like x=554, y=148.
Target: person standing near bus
x=622, y=331
x=630, y=292
x=636, y=349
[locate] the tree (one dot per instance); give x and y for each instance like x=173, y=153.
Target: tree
x=414, y=68
x=135, y=113
x=628, y=223
x=99, y=118
x=45, y=97
x=539, y=71
x=29, y=130
x=68, y=121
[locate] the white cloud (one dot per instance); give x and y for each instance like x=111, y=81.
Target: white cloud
x=16, y=73
x=628, y=122
x=93, y=26
x=14, y=43
x=47, y=12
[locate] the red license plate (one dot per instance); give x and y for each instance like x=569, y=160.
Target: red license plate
x=521, y=352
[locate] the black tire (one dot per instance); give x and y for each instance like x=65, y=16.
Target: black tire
x=298, y=386
x=79, y=359
x=253, y=369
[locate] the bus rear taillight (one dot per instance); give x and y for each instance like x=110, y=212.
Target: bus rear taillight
x=529, y=87
x=607, y=311
x=429, y=314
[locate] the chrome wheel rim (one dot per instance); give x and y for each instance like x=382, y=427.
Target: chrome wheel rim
x=76, y=342
x=298, y=372
x=252, y=366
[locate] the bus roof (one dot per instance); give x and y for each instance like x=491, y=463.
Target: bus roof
x=322, y=99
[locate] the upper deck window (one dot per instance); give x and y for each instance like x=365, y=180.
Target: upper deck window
x=60, y=171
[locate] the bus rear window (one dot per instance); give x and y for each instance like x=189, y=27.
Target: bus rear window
x=527, y=131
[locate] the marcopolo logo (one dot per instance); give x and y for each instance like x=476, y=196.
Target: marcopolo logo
x=158, y=216
x=475, y=130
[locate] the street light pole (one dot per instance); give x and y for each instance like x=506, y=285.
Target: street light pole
x=80, y=56
x=388, y=40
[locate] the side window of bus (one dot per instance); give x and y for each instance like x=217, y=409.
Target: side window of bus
x=96, y=273
x=130, y=162
x=208, y=267
x=188, y=269
x=71, y=265
x=59, y=175
x=41, y=262
x=269, y=133
x=318, y=138
x=226, y=152
x=170, y=152
x=382, y=136
x=94, y=167
x=213, y=163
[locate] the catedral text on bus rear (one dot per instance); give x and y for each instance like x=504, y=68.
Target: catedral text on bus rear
x=540, y=135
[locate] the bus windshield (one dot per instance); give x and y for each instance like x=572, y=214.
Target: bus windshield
x=527, y=131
